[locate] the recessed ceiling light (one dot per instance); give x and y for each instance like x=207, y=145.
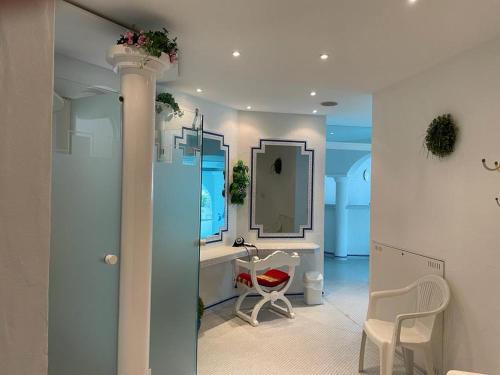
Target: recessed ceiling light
x=249, y=107
x=412, y=1
x=236, y=53
x=199, y=90
x=315, y=111
x=313, y=93
x=324, y=56
x=331, y=133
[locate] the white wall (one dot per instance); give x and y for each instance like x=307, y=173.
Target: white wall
x=26, y=66
x=83, y=73
x=254, y=126
x=445, y=208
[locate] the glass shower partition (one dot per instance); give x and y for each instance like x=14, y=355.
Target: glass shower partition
x=176, y=231
x=85, y=232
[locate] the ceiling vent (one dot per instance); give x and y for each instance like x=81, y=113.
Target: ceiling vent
x=329, y=104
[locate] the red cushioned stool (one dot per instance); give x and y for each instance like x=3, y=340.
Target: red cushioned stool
x=271, y=285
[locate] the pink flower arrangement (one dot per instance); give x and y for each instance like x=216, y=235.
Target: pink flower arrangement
x=173, y=57
x=133, y=39
x=154, y=43
x=142, y=40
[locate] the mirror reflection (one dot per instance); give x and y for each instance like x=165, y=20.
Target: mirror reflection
x=281, y=188
x=214, y=166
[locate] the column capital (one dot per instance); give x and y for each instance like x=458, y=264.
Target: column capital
x=340, y=178
x=123, y=57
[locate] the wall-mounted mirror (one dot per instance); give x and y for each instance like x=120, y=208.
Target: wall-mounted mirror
x=281, y=189
x=214, y=170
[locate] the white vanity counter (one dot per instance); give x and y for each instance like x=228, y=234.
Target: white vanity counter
x=211, y=255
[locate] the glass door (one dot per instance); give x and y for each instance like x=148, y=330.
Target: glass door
x=176, y=229
x=85, y=233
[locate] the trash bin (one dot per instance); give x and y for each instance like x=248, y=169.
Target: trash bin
x=313, y=288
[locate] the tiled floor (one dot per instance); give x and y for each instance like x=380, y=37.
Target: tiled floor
x=321, y=339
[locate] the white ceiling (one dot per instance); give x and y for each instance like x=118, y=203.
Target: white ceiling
x=372, y=44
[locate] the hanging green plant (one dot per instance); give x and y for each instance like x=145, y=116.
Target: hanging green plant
x=167, y=98
x=441, y=136
x=241, y=180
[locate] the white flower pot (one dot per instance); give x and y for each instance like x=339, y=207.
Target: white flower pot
x=123, y=56
x=166, y=114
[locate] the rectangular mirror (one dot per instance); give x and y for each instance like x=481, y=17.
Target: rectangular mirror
x=281, y=189
x=214, y=169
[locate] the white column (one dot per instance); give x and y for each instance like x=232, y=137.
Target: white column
x=138, y=87
x=342, y=198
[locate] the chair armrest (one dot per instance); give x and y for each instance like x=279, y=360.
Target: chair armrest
x=400, y=318
x=249, y=265
x=241, y=263
x=375, y=296
x=389, y=293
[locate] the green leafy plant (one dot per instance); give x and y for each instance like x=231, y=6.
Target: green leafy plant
x=441, y=136
x=154, y=43
x=241, y=180
x=167, y=98
x=158, y=42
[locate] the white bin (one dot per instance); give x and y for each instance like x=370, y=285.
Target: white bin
x=313, y=288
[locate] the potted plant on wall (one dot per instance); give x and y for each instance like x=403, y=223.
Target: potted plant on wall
x=441, y=136
x=149, y=48
x=241, y=180
x=167, y=106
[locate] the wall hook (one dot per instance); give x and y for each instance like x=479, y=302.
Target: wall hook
x=496, y=168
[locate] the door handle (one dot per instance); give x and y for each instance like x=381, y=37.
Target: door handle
x=111, y=259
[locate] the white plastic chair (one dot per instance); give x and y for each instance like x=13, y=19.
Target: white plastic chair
x=432, y=297
x=271, y=285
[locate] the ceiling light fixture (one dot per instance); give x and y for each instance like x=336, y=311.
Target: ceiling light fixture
x=412, y=1
x=249, y=107
x=329, y=104
x=199, y=90
x=324, y=56
x=331, y=133
x=315, y=111
x=313, y=93
x=236, y=54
